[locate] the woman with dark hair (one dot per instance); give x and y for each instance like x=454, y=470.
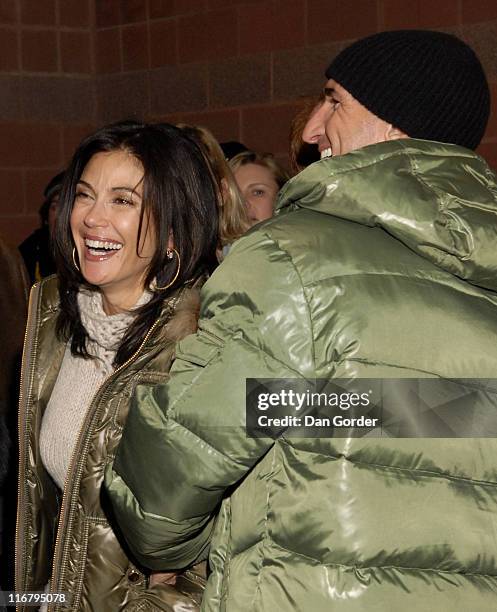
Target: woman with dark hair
x=136, y=234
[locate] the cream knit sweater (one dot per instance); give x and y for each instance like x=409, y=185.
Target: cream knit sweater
x=78, y=381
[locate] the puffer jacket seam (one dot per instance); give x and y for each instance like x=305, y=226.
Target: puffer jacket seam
x=439, y=197
x=78, y=590
x=382, y=567
x=374, y=362
x=403, y=152
x=440, y=475
x=389, y=273
x=304, y=295
x=265, y=538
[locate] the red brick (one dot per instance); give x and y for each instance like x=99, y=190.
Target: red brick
x=36, y=180
x=12, y=200
x=222, y=34
x=473, y=11
x=72, y=135
x=275, y=25
x=108, y=50
x=160, y=8
x=8, y=11
x=17, y=228
x=133, y=11
x=34, y=12
x=288, y=23
x=420, y=14
x=74, y=13
x=75, y=52
x=163, y=43
x=108, y=13
x=491, y=130
x=135, y=47
x=39, y=50
x=225, y=125
x=240, y=80
x=256, y=28
x=481, y=37
x=267, y=128
x=24, y=144
x=182, y=7
x=9, y=54
x=193, y=38
x=333, y=20
x=300, y=72
x=488, y=150
x=215, y=4
x=178, y=89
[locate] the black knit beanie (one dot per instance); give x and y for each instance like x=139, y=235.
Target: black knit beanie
x=429, y=84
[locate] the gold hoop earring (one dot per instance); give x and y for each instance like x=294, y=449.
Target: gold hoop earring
x=169, y=253
x=74, y=259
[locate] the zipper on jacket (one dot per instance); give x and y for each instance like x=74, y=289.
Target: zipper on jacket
x=20, y=573
x=55, y=579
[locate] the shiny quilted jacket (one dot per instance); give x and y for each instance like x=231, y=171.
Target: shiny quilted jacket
x=70, y=538
x=380, y=263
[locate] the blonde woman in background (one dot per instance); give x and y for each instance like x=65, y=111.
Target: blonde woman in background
x=233, y=215
x=259, y=178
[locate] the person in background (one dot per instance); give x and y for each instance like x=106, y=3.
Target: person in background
x=381, y=262
x=14, y=285
x=233, y=215
x=232, y=148
x=36, y=250
x=259, y=178
x=303, y=154
x=135, y=237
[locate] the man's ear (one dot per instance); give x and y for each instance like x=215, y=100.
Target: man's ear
x=394, y=133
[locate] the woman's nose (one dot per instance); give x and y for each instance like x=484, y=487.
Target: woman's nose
x=96, y=215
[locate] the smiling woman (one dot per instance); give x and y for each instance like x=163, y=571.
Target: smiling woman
x=135, y=238
x=104, y=223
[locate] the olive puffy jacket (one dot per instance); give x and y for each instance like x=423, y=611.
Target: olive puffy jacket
x=69, y=538
x=381, y=264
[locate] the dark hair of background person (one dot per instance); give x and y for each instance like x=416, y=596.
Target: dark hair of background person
x=232, y=148
x=14, y=287
x=36, y=250
x=180, y=199
x=303, y=154
x=233, y=217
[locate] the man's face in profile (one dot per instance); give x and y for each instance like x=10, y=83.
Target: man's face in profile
x=340, y=124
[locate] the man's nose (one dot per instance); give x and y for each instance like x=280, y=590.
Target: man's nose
x=315, y=126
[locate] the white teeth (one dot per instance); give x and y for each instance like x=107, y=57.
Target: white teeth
x=99, y=244
x=326, y=153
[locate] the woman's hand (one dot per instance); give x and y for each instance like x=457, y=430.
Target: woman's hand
x=163, y=578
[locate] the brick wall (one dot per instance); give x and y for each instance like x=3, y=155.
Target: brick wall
x=47, y=100
x=240, y=67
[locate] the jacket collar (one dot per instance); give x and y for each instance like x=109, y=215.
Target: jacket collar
x=438, y=199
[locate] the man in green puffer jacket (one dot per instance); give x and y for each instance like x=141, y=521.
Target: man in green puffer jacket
x=382, y=263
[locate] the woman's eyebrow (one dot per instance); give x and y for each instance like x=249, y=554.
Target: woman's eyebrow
x=125, y=188
x=82, y=182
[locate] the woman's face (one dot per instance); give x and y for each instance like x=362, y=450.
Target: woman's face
x=104, y=224
x=258, y=189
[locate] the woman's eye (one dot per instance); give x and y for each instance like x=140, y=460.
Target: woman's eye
x=258, y=192
x=81, y=195
x=123, y=201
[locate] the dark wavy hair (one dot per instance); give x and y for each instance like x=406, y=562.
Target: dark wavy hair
x=179, y=196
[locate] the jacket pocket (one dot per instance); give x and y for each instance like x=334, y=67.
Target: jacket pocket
x=199, y=349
